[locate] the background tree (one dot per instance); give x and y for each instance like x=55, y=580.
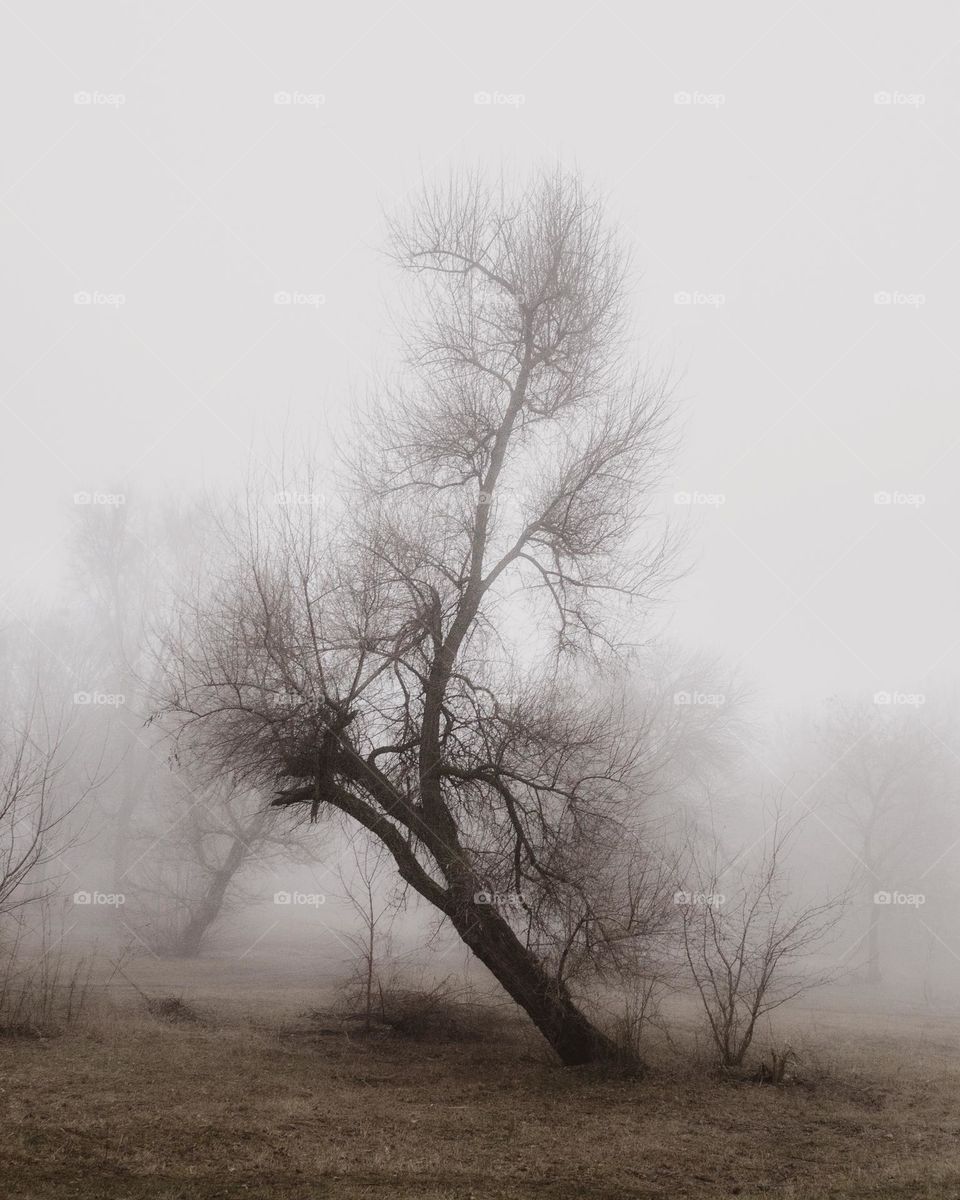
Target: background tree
x=116, y=570
x=884, y=773
x=179, y=845
x=429, y=663
x=191, y=850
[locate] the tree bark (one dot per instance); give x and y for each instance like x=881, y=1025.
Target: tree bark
x=574, y=1038
x=547, y=1001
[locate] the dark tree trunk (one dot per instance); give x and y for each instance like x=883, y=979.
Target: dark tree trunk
x=548, y=1003
x=208, y=907
x=482, y=928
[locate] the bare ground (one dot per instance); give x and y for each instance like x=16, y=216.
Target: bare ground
x=139, y=1108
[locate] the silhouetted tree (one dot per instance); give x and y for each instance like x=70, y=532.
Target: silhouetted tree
x=430, y=661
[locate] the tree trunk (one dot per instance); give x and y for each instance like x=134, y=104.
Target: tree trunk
x=208, y=909
x=489, y=936
x=548, y=1003
x=873, y=945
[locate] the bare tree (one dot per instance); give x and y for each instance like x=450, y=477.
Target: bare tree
x=43, y=789
x=690, y=712
x=114, y=569
x=429, y=663
x=30, y=812
x=189, y=860
x=126, y=560
x=363, y=888
x=884, y=766
x=745, y=941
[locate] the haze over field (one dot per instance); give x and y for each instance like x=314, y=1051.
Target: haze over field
x=479, y=574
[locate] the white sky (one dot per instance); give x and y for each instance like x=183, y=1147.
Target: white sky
x=796, y=199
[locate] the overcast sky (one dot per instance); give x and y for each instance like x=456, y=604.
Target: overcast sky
x=782, y=166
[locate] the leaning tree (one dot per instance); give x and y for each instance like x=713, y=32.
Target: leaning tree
x=428, y=655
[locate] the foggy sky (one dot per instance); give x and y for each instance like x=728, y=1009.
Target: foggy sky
x=781, y=198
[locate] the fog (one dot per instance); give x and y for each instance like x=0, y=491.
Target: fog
x=209, y=317
x=796, y=200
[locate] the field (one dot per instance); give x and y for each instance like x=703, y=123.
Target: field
x=255, y=1101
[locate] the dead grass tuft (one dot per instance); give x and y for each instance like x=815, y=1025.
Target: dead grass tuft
x=172, y=1009
x=438, y=1014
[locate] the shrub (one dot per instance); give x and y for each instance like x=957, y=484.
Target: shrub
x=437, y=1013
x=43, y=989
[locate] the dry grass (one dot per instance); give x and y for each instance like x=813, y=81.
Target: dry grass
x=438, y=1011
x=137, y=1108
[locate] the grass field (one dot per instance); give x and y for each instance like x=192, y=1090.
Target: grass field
x=247, y=1103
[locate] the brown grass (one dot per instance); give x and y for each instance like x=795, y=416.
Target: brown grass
x=137, y=1108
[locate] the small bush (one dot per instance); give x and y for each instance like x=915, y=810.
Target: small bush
x=437, y=1013
x=639, y=1014
x=43, y=990
x=173, y=1009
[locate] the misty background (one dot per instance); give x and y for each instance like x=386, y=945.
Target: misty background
x=193, y=205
